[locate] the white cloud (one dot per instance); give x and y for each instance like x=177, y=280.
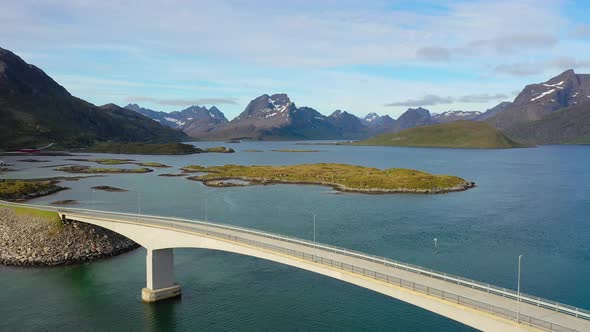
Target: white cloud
x=284, y=35
x=537, y=67
x=183, y=102
x=431, y=100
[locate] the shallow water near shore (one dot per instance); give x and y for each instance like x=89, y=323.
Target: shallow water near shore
x=533, y=202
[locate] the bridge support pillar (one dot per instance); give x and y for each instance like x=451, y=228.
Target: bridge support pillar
x=160, y=276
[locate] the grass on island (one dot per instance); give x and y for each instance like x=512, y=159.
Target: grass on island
x=152, y=164
x=100, y=170
x=295, y=150
x=458, y=134
x=153, y=149
x=13, y=189
x=53, y=219
x=194, y=169
x=107, y=161
x=253, y=150
x=342, y=176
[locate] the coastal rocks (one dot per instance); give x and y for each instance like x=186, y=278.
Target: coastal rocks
x=65, y=202
x=109, y=189
x=36, y=241
x=248, y=181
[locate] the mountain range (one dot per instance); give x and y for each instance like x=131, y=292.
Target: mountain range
x=35, y=110
x=272, y=117
x=550, y=112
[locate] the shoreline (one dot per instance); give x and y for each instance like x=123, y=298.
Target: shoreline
x=215, y=182
x=36, y=241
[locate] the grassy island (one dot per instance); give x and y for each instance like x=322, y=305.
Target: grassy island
x=101, y=170
x=153, y=149
x=13, y=190
x=458, y=134
x=339, y=176
x=106, y=161
x=195, y=169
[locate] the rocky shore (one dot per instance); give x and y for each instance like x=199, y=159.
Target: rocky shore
x=247, y=181
x=28, y=240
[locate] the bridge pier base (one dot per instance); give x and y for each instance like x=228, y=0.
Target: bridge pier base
x=160, y=276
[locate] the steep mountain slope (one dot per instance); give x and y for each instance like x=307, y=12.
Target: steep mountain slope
x=35, y=110
x=411, y=118
x=201, y=121
x=458, y=134
x=501, y=107
x=349, y=126
x=537, y=100
x=570, y=125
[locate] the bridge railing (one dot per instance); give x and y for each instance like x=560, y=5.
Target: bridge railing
x=504, y=292
x=213, y=229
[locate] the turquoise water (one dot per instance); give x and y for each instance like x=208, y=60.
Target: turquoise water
x=534, y=202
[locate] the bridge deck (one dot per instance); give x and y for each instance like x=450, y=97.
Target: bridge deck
x=498, y=301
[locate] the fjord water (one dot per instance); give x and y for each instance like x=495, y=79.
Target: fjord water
x=534, y=202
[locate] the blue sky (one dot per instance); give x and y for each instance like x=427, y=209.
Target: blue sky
x=359, y=56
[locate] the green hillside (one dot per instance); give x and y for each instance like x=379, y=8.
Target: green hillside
x=567, y=126
x=458, y=134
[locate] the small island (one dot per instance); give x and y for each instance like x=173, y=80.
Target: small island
x=21, y=190
x=153, y=149
x=341, y=177
x=457, y=135
x=109, y=189
x=106, y=161
x=33, y=161
x=65, y=202
x=78, y=169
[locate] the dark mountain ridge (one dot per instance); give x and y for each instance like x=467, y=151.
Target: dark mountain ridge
x=34, y=110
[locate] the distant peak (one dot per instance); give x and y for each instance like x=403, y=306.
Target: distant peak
x=110, y=106
x=279, y=99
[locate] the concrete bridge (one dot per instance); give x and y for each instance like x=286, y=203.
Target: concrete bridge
x=482, y=306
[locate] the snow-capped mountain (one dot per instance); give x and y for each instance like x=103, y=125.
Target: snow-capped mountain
x=450, y=116
x=537, y=100
x=277, y=117
x=191, y=119
x=375, y=120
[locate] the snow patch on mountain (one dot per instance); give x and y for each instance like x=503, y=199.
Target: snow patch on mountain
x=557, y=85
x=173, y=120
x=548, y=92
